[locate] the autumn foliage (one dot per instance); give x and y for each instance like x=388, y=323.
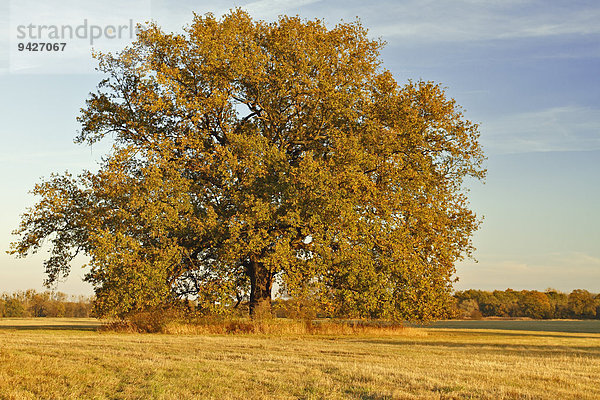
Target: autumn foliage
x=30, y=303
x=250, y=156
x=553, y=304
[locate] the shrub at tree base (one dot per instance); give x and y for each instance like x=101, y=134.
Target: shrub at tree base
x=172, y=323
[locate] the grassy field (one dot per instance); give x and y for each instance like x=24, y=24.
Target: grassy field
x=62, y=358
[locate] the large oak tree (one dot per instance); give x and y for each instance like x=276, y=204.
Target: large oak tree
x=247, y=153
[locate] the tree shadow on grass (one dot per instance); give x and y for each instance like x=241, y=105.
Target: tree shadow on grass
x=559, y=326
x=365, y=395
x=43, y=325
x=537, y=334
x=523, y=350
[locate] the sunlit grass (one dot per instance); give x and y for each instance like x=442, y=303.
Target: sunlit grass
x=418, y=363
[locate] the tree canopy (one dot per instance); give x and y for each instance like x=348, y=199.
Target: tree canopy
x=249, y=153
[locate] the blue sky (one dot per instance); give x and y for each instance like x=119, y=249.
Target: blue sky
x=527, y=71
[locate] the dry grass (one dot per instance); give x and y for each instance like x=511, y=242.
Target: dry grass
x=415, y=363
x=151, y=323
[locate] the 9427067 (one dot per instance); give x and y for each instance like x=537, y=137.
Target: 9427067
x=41, y=46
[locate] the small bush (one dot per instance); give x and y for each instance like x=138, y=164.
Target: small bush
x=476, y=314
x=150, y=321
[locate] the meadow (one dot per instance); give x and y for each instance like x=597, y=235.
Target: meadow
x=48, y=358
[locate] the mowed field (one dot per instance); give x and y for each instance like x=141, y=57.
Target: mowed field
x=69, y=359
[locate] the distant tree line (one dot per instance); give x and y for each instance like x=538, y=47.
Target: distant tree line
x=550, y=304
x=474, y=304
x=30, y=303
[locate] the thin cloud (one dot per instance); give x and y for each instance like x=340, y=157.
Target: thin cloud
x=484, y=21
x=568, y=128
x=580, y=259
x=273, y=8
x=563, y=271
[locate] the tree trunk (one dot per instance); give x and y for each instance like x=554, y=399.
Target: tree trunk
x=261, y=283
